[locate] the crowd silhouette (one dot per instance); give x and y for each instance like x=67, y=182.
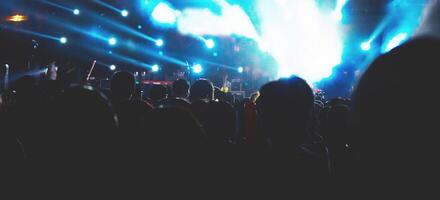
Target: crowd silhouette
x=194, y=140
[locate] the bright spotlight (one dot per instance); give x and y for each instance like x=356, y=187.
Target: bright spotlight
x=307, y=53
x=113, y=67
x=112, y=41
x=240, y=70
x=159, y=42
x=197, y=68
x=63, y=40
x=210, y=43
x=76, y=12
x=338, y=16
x=155, y=68
x=17, y=18
x=124, y=13
x=164, y=14
x=396, y=41
x=366, y=46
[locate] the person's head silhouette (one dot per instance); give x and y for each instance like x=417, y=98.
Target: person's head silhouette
x=394, y=121
x=123, y=86
x=284, y=107
x=202, y=89
x=181, y=88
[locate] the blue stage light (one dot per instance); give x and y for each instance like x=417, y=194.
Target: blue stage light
x=210, y=43
x=164, y=14
x=197, y=68
x=112, y=41
x=366, y=46
x=63, y=40
x=396, y=41
x=337, y=13
x=338, y=16
x=240, y=70
x=76, y=12
x=113, y=67
x=159, y=42
x=155, y=68
x=124, y=13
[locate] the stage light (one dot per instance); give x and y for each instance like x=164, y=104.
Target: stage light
x=7, y=66
x=112, y=41
x=155, y=68
x=307, y=53
x=139, y=27
x=164, y=14
x=210, y=43
x=63, y=40
x=396, y=41
x=146, y=2
x=240, y=70
x=113, y=67
x=76, y=12
x=17, y=18
x=337, y=14
x=232, y=19
x=366, y=46
x=197, y=68
x=124, y=13
x=159, y=42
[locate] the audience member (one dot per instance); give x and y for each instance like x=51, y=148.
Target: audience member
x=122, y=86
x=158, y=93
x=181, y=89
x=394, y=125
x=202, y=89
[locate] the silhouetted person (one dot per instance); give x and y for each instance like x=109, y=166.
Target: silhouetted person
x=26, y=113
x=395, y=122
x=122, y=86
x=134, y=116
x=77, y=149
x=218, y=119
x=197, y=107
x=87, y=123
x=285, y=108
x=181, y=89
x=158, y=93
x=202, y=89
x=336, y=132
x=176, y=102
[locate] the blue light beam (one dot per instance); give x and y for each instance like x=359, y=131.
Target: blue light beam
x=57, y=6
x=29, y=32
x=108, y=6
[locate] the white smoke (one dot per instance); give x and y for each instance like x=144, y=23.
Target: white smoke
x=304, y=40
x=431, y=20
